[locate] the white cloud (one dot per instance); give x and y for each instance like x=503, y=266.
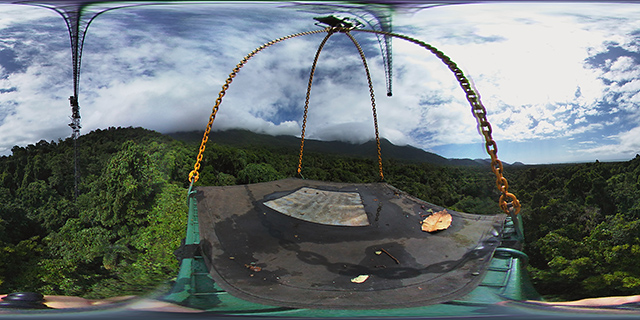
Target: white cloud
x=527, y=60
x=580, y=120
x=11, y=15
x=185, y=77
x=626, y=145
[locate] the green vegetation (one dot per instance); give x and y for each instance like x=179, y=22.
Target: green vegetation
x=582, y=222
x=117, y=238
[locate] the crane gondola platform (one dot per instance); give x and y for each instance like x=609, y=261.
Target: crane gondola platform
x=311, y=244
x=297, y=244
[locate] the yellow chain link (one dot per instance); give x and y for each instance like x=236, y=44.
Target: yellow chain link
x=373, y=101
x=480, y=113
x=306, y=100
x=478, y=109
x=194, y=175
x=371, y=93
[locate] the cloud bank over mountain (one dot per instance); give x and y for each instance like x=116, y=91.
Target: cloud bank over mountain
x=560, y=81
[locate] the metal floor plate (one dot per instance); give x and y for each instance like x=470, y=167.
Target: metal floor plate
x=266, y=256
x=320, y=206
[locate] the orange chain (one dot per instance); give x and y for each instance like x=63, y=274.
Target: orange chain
x=480, y=113
x=306, y=100
x=371, y=93
x=477, y=108
x=194, y=175
x=373, y=101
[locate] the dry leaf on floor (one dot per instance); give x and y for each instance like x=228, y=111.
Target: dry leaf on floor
x=438, y=221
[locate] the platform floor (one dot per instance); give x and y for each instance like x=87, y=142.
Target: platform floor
x=266, y=256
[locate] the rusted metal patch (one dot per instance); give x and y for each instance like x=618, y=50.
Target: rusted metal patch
x=324, y=207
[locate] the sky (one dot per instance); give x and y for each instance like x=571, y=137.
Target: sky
x=560, y=81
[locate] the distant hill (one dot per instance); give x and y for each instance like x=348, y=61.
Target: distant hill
x=245, y=138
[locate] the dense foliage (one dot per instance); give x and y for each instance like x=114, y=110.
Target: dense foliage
x=117, y=238
x=582, y=222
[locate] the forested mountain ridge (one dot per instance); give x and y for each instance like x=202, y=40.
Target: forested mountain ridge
x=246, y=139
x=582, y=221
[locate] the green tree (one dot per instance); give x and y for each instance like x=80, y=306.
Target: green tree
x=257, y=172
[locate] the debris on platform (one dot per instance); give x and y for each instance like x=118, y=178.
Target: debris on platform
x=438, y=221
x=360, y=278
x=253, y=267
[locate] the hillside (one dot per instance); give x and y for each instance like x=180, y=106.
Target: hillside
x=118, y=236
x=244, y=138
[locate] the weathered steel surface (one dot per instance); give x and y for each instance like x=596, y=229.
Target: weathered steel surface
x=264, y=256
x=321, y=206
